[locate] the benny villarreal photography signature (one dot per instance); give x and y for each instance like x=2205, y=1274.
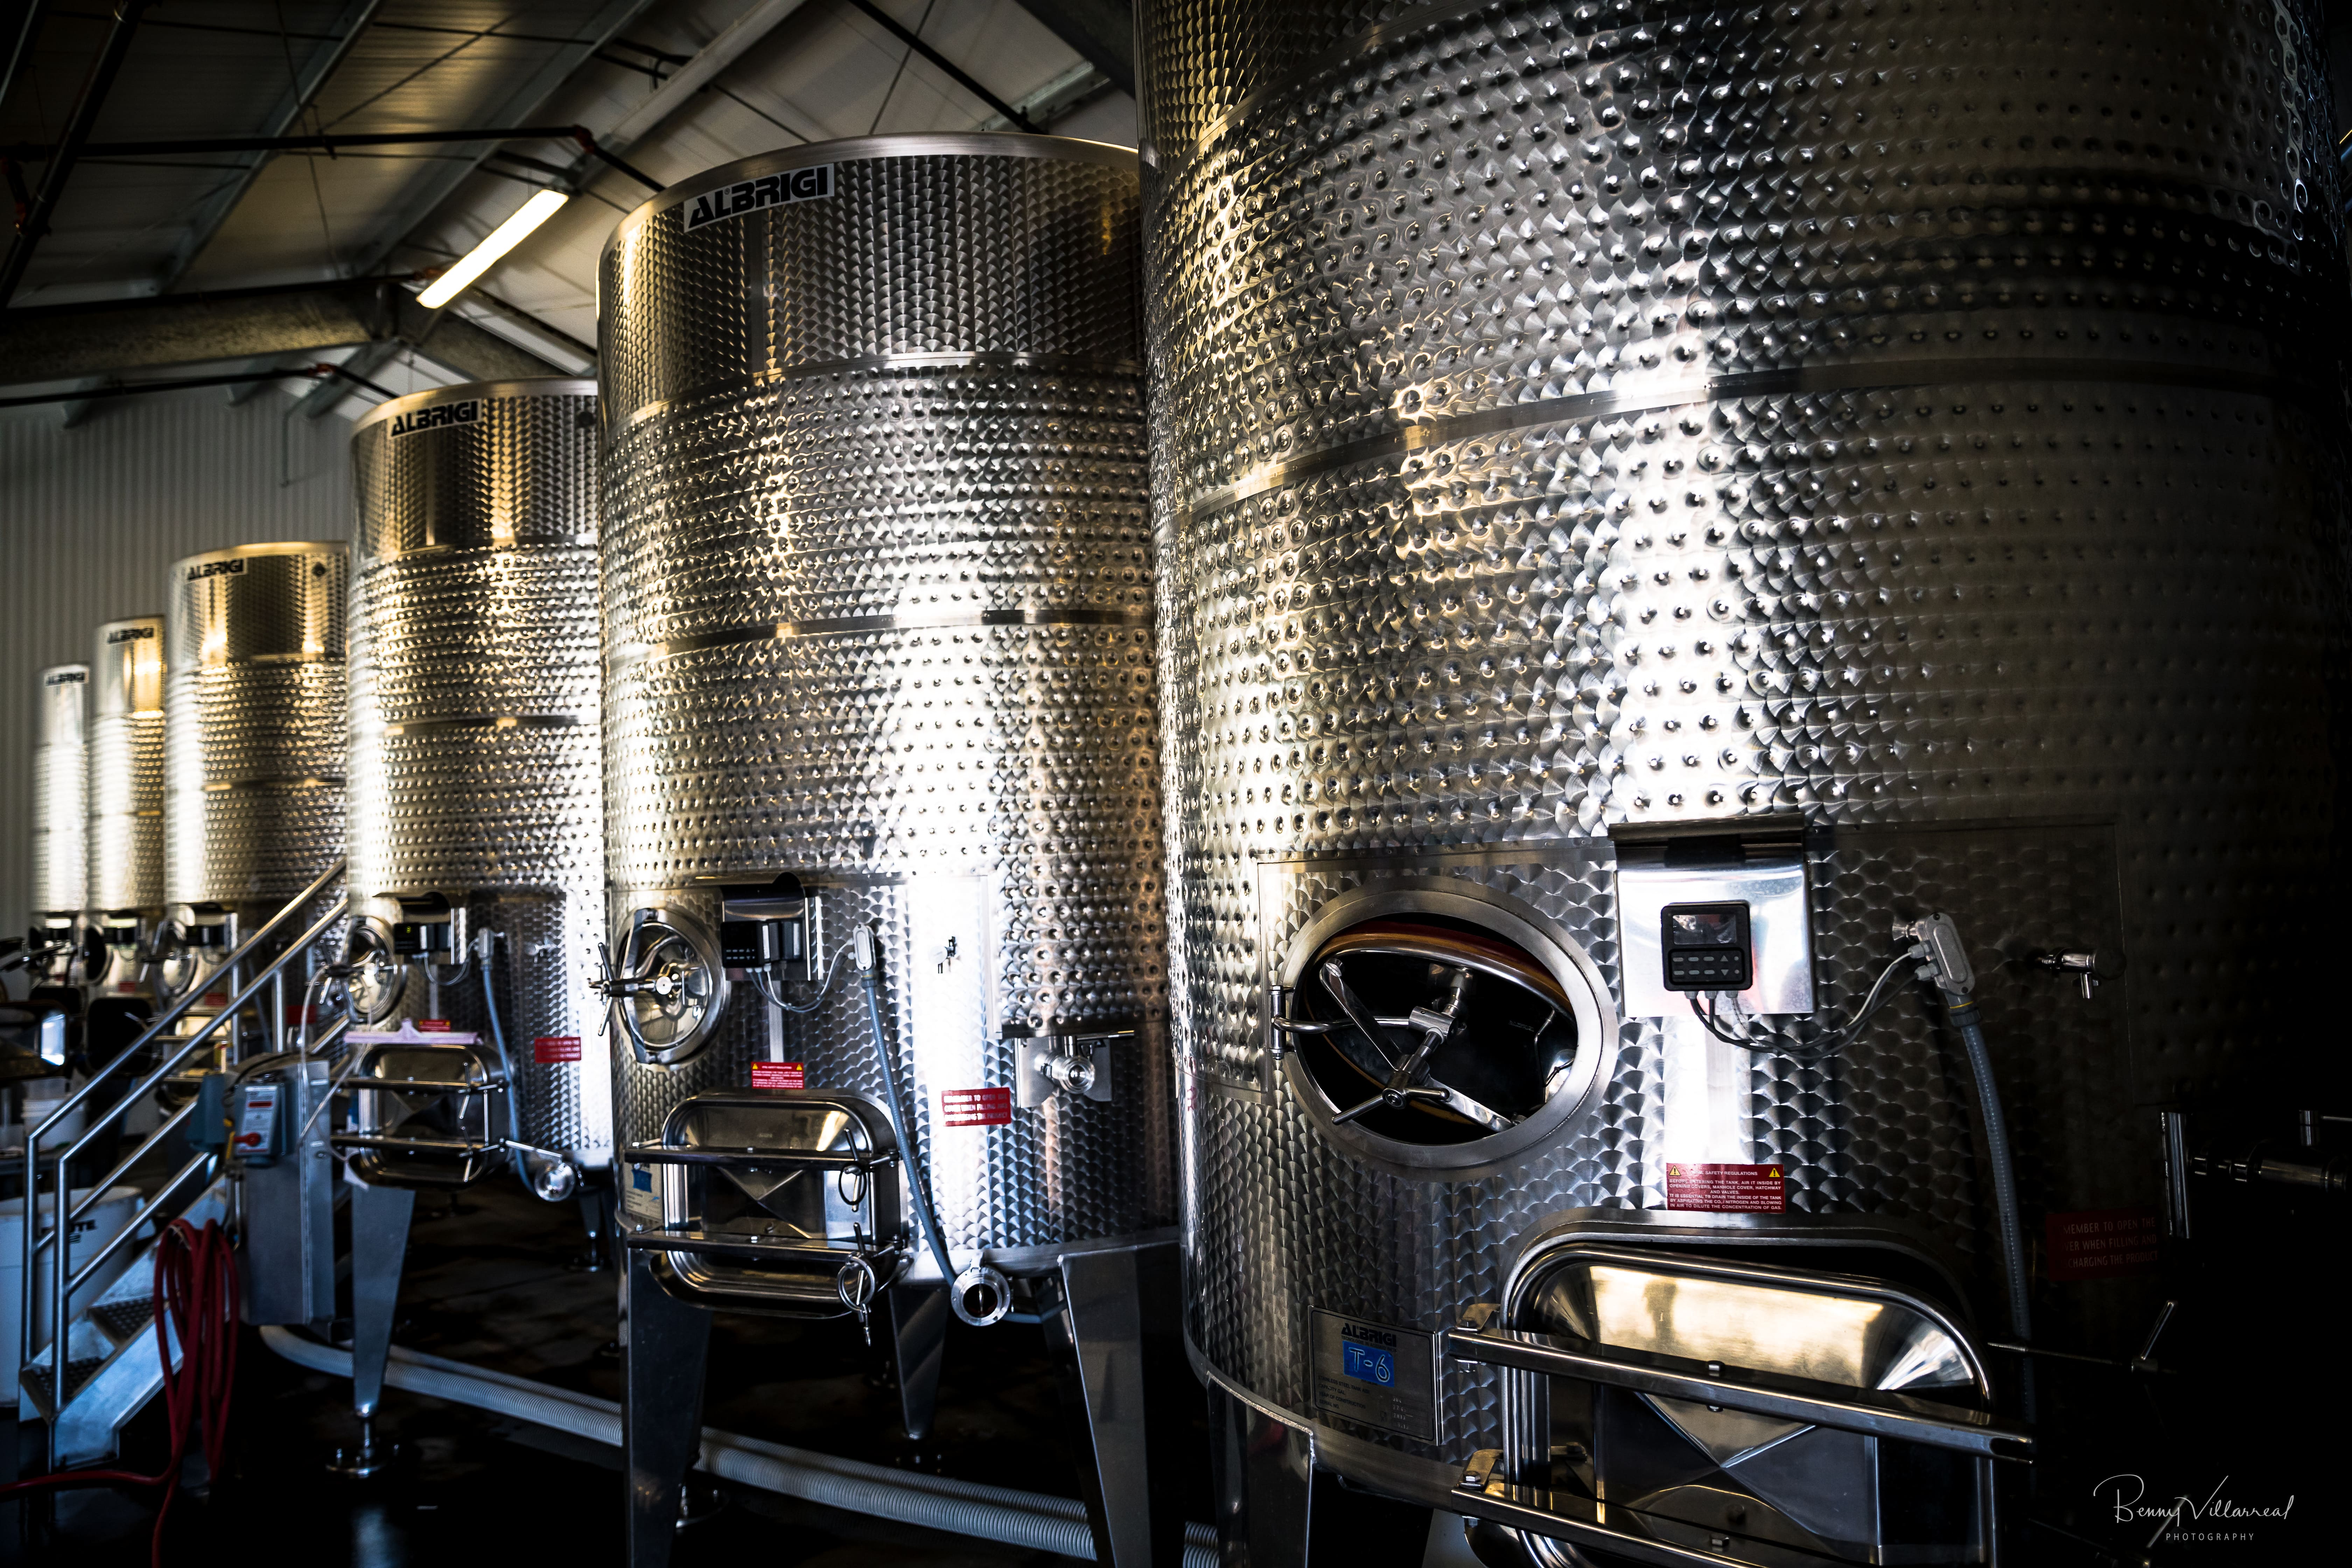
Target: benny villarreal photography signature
x=2184, y=1518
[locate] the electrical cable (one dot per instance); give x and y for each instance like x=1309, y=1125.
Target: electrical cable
x=900, y=1114
x=761, y=983
x=195, y=1301
x=1748, y=1039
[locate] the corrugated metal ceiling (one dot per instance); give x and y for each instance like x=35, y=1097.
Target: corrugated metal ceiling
x=130, y=225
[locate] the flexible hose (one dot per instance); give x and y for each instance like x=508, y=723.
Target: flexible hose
x=499, y=1040
x=195, y=1301
x=1963, y=1015
x=902, y=1118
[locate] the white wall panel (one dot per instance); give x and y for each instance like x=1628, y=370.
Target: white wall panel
x=90, y=519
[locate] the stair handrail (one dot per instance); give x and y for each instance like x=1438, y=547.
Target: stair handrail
x=63, y=1211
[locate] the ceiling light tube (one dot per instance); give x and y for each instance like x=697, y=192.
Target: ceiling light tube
x=501, y=240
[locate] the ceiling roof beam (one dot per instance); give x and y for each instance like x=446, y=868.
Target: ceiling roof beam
x=329, y=393
x=36, y=12
x=1101, y=30
x=1066, y=94
x=970, y=83
x=680, y=88
x=122, y=336
x=283, y=118
x=79, y=125
x=520, y=108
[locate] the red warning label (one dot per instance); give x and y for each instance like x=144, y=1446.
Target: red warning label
x=2104, y=1244
x=432, y=1026
x=1727, y=1189
x=778, y=1075
x=976, y=1108
x=555, y=1049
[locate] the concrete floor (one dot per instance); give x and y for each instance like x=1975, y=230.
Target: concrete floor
x=492, y=1280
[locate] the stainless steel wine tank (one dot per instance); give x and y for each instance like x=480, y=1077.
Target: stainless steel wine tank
x=255, y=725
x=876, y=579
x=476, y=784
x=60, y=793
x=126, y=767
x=1595, y=445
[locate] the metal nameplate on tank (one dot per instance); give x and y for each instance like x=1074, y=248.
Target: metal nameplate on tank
x=1375, y=1374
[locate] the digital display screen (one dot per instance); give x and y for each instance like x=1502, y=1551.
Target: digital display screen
x=1705, y=927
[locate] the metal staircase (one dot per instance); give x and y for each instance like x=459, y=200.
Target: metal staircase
x=104, y=1299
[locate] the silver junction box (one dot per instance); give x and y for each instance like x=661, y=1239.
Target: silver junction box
x=1770, y=882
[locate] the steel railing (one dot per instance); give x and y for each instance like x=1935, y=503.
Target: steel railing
x=63, y=1211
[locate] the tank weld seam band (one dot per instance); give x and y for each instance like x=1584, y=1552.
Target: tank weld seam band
x=275, y=781
x=224, y=662
x=529, y=548
x=1922, y=373
x=489, y=721
x=783, y=631
x=866, y=364
x=1225, y=1087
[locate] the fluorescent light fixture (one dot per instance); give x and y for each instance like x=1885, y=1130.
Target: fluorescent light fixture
x=503, y=238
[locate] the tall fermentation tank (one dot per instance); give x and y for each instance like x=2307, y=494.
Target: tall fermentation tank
x=126, y=767
x=255, y=725
x=59, y=793
x=1609, y=450
x=877, y=578
x=476, y=773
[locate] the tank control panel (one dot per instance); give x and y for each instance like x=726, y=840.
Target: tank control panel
x=1721, y=909
x=771, y=928
x=426, y=929
x=1707, y=947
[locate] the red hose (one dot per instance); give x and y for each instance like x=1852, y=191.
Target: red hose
x=196, y=1303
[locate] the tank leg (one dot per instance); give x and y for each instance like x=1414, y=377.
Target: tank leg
x=919, y=1329
x=665, y=1344
x=1261, y=1473
x=380, y=1217
x=596, y=1200
x=1274, y=1509
x=1116, y=1345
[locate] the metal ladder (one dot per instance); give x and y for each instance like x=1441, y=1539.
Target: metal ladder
x=100, y=1329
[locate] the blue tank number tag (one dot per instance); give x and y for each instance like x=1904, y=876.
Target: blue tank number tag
x=1375, y=1374
x=1369, y=1366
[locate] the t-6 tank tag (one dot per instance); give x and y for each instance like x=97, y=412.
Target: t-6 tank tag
x=1375, y=1374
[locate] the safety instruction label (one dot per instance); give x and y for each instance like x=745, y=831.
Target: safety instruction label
x=434, y=1025
x=555, y=1049
x=1376, y=1374
x=2104, y=1244
x=1726, y=1189
x=975, y=1108
x=779, y=1075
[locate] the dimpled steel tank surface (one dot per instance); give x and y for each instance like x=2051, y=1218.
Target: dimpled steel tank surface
x=476, y=771
x=876, y=577
x=1910, y=429
x=255, y=725
x=126, y=766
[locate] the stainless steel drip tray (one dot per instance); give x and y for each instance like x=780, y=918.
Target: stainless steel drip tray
x=776, y=1200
